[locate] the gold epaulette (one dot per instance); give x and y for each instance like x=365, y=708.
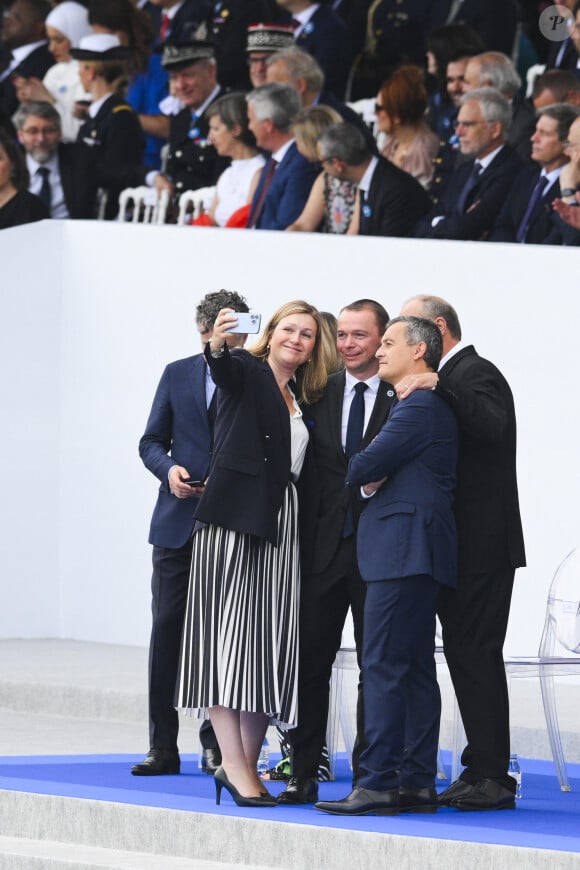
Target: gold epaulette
x=124, y=107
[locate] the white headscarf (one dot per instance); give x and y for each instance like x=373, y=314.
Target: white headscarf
x=71, y=19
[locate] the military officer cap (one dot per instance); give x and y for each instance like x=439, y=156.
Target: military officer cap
x=100, y=46
x=182, y=54
x=269, y=37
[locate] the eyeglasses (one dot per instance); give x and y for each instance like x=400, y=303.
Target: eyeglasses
x=40, y=131
x=257, y=61
x=468, y=124
x=572, y=146
x=379, y=108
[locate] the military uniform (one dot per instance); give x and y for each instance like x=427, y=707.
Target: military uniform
x=193, y=161
x=118, y=144
x=397, y=30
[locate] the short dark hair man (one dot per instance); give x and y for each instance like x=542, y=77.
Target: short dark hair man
x=406, y=547
x=526, y=215
x=176, y=447
x=335, y=583
x=474, y=616
x=63, y=175
x=390, y=200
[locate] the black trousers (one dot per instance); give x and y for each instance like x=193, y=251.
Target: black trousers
x=169, y=585
x=474, y=620
x=324, y=602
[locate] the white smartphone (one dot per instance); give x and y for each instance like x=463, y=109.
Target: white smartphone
x=248, y=322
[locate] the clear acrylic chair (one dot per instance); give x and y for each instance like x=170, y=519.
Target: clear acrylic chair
x=559, y=652
x=342, y=708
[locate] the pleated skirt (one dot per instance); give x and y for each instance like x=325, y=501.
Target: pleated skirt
x=240, y=636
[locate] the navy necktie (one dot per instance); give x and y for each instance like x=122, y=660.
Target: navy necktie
x=45, y=193
x=524, y=226
x=468, y=186
x=356, y=421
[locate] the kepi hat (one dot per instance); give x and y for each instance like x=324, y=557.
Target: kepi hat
x=269, y=37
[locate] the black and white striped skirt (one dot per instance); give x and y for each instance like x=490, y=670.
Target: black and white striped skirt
x=240, y=635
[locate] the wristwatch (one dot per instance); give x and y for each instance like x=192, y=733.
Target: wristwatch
x=568, y=191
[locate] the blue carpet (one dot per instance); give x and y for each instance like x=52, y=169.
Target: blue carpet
x=545, y=817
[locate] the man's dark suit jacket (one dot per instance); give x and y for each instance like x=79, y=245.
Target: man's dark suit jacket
x=569, y=59
x=541, y=227
x=288, y=191
x=77, y=174
x=188, y=18
x=407, y=528
x=36, y=65
x=177, y=433
x=394, y=203
x=486, y=499
x=522, y=127
x=326, y=37
x=332, y=495
x=483, y=203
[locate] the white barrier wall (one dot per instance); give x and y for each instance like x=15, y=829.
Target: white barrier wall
x=92, y=312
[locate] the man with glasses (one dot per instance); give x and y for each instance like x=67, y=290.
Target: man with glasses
x=263, y=41
x=476, y=188
x=62, y=175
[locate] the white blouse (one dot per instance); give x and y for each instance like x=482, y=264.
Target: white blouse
x=233, y=187
x=298, y=441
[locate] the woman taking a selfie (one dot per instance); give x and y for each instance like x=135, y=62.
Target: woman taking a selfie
x=240, y=640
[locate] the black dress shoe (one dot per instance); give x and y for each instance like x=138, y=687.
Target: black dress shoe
x=300, y=790
x=157, y=762
x=211, y=759
x=486, y=794
x=363, y=802
x=458, y=789
x=417, y=800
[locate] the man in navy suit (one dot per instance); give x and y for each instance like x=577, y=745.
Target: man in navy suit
x=407, y=551
x=526, y=215
x=324, y=35
x=287, y=177
x=476, y=188
x=176, y=447
x=474, y=615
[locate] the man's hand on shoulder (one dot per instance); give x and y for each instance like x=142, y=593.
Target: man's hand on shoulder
x=426, y=381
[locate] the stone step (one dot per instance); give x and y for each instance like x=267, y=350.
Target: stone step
x=22, y=854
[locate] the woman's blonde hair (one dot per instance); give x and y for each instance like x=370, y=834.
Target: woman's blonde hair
x=310, y=123
x=310, y=376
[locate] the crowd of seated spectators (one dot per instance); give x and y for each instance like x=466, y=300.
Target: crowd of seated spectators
x=465, y=116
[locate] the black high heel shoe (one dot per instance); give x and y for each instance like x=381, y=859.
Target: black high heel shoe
x=221, y=781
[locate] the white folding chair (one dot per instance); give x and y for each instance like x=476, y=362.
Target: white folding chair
x=143, y=205
x=193, y=202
